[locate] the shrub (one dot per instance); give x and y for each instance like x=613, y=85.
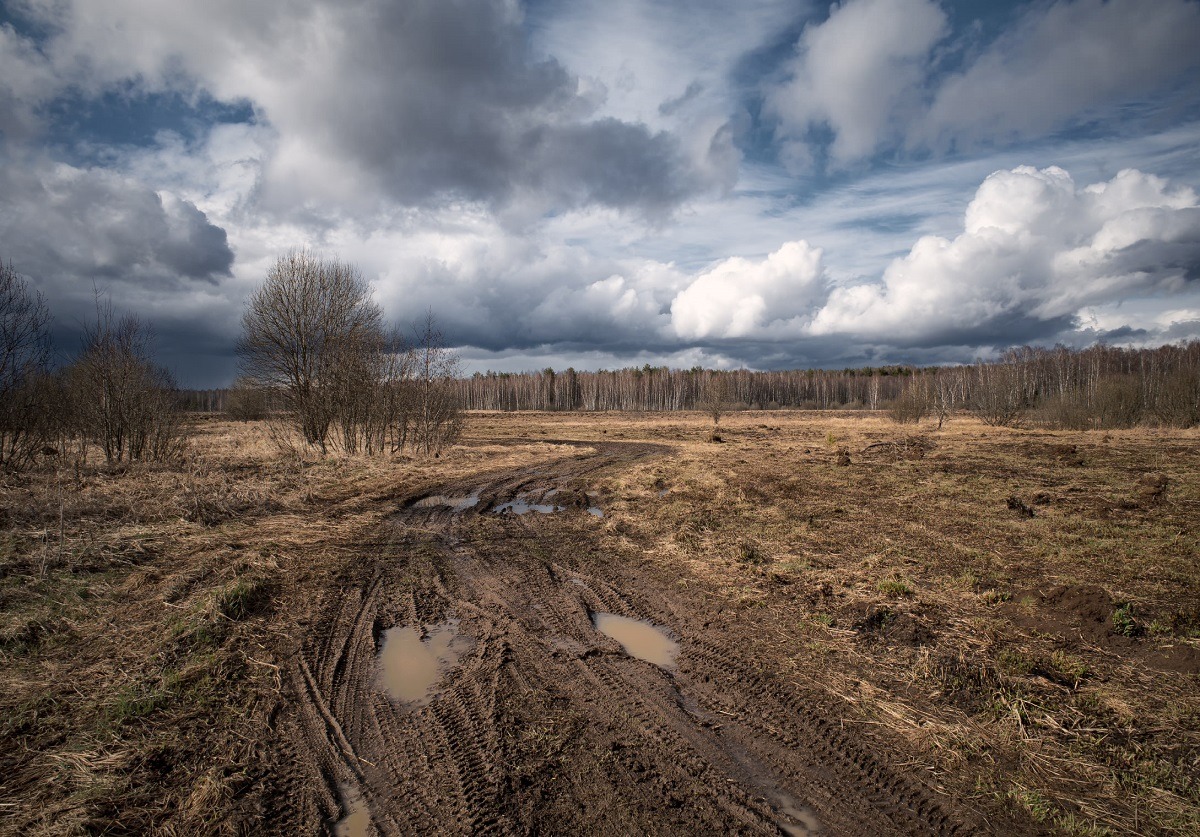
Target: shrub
x=910, y=407
x=118, y=398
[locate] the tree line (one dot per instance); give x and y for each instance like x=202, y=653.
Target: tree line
x=1100, y=387
x=319, y=363
x=662, y=388
x=1059, y=387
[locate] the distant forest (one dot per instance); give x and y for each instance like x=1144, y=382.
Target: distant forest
x=1099, y=386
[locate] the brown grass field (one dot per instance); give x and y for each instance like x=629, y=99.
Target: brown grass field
x=1008, y=620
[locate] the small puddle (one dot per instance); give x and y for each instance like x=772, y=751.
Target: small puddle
x=804, y=822
x=455, y=503
x=520, y=506
x=596, y=511
x=357, y=819
x=639, y=639
x=409, y=666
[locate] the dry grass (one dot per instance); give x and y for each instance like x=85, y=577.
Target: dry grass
x=1045, y=667
x=144, y=612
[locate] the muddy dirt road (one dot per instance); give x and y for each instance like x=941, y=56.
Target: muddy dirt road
x=539, y=723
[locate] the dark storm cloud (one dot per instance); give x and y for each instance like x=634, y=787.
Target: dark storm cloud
x=1010, y=328
x=64, y=226
x=609, y=162
x=423, y=102
x=438, y=101
x=1178, y=255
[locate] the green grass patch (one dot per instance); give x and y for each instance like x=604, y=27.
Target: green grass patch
x=895, y=587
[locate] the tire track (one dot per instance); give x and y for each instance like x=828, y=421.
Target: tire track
x=545, y=724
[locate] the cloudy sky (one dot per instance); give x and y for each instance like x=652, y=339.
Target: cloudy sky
x=600, y=183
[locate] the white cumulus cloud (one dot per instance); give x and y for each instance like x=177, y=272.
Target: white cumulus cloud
x=1035, y=250
x=741, y=298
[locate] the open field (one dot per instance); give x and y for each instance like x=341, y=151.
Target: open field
x=881, y=629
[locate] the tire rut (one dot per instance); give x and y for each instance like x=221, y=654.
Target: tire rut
x=546, y=724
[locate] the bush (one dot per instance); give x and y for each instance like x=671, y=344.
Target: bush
x=1177, y=401
x=910, y=407
x=1066, y=411
x=247, y=402
x=118, y=398
x=998, y=394
x=1118, y=402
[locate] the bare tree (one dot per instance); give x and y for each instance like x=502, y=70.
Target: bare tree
x=946, y=394
x=24, y=356
x=435, y=412
x=372, y=395
x=1177, y=398
x=716, y=400
x=119, y=398
x=998, y=393
x=247, y=402
x=314, y=337
x=914, y=401
x=310, y=332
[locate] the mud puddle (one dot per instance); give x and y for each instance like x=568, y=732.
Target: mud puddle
x=802, y=822
x=356, y=821
x=639, y=639
x=523, y=506
x=410, y=666
x=456, y=504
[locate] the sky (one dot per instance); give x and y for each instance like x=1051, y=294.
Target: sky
x=763, y=184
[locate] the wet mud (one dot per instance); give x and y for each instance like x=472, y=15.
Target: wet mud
x=543, y=720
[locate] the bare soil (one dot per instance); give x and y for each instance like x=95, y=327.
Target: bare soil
x=547, y=726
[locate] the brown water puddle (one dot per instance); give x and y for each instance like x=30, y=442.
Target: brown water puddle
x=639, y=639
x=803, y=820
x=456, y=504
x=522, y=506
x=411, y=665
x=357, y=819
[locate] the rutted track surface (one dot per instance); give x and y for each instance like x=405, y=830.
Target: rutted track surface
x=545, y=725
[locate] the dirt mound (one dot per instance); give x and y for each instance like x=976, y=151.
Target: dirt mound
x=1184, y=659
x=908, y=448
x=1151, y=488
x=1083, y=611
x=884, y=624
x=1087, y=604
